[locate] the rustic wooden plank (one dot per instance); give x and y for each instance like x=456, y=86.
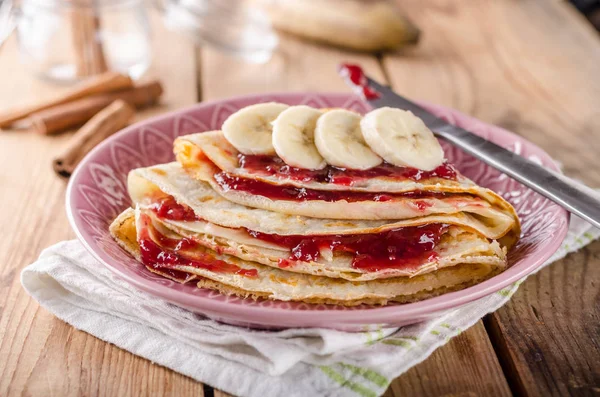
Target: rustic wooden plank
x=306, y=66
x=531, y=67
x=467, y=365
x=41, y=355
x=548, y=333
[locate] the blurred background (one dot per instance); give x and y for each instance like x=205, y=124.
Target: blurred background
x=591, y=9
x=68, y=40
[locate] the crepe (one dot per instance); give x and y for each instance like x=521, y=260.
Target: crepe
x=267, y=282
x=348, y=237
x=223, y=226
x=171, y=179
x=210, y=158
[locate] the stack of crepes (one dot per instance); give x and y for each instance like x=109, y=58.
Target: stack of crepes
x=291, y=205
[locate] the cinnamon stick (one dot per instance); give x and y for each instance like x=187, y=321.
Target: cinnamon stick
x=107, y=82
x=105, y=123
x=74, y=114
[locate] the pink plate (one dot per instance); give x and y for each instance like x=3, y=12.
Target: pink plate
x=97, y=194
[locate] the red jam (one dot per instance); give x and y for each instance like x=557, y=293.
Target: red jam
x=166, y=258
x=274, y=166
x=397, y=248
x=276, y=192
x=178, y=275
x=355, y=76
x=168, y=208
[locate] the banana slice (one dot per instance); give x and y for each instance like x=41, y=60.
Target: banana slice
x=294, y=137
x=340, y=142
x=402, y=139
x=249, y=129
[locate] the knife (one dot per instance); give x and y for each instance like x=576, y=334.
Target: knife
x=571, y=195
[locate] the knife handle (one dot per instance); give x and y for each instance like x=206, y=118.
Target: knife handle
x=576, y=197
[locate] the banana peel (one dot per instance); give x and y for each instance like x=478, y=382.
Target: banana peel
x=369, y=26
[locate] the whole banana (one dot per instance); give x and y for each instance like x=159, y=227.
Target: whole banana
x=373, y=26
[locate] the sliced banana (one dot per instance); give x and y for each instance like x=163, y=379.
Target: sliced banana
x=249, y=129
x=340, y=142
x=294, y=137
x=402, y=139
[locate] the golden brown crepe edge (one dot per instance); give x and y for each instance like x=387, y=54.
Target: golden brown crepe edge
x=231, y=290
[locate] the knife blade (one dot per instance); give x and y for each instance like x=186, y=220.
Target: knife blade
x=571, y=195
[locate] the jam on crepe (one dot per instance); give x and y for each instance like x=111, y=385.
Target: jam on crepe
x=168, y=208
x=165, y=253
x=396, y=248
x=275, y=166
x=286, y=192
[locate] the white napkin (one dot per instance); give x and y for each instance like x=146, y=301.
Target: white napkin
x=70, y=283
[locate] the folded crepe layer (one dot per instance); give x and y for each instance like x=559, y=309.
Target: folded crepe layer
x=278, y=284
x=123, y=231
x=194, y=149
x=205, y=154
x=145, y=184
x=456, y=246
x=214, y=146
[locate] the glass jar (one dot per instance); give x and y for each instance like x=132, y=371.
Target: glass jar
x=231, y=26
x=67, y=40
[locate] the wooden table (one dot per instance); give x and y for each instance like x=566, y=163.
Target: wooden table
x=532, y=66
